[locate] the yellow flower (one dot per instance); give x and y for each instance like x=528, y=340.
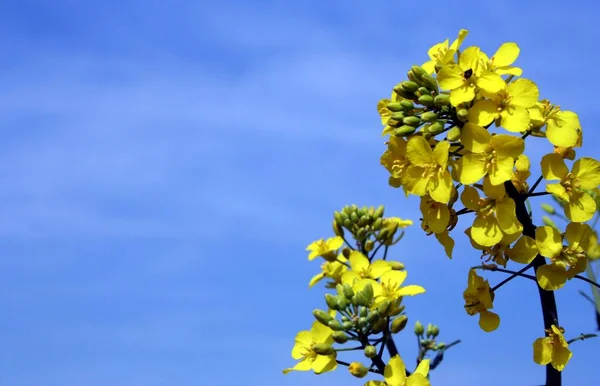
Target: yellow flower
x=395, y=374
x=524, y=250
x=446, y=241
x=478, y=300
x=395, y=161
x=462, y=78
x=495, y=216
x=497, y=253
x=521, y=174
x=493, y=155
x=585, y=175
x=435, y=214
x=428, y=170
x=501, y=62
x=309, y=359
x=330, y=269
x=363, y=269
x=552, y=349
x=440, y=54
x=566, y=261
x=508, y=107
x=390, y=287
x=326, y=249
x=562, y=127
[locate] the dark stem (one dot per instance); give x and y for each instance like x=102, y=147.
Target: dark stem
x=547, y=299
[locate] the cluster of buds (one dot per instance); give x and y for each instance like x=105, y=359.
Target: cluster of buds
x=366, y=225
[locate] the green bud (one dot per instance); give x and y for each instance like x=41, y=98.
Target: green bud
x=425, y=342
x=396, y=265
x=377, y=224
x=347, y=290
x=424, y=91
x=369, y=245
x=363, y=221
x=412, y=76
x=373, y=317
x=428, y=330
x=347, y=223
x=548, y=221
x=370, y=351
x=548, y=209
x=462, y=115
x=440, y=346
x=429, y=82
x=429, y=116
x=354, y=217
x=426, y=100
x=436, y=127
x=345, y=318
x=361, y=234
x=354, y=301
x=362, y=322
x=403, y=94
x=367, y=292
x=347, y=326
x=453, y=134
x=332, y=302
x=335, y=325
x=361, y=299
x=363, y=312
x=384, y=307
x=384, y=233
x=398, y=324
x=323, y=349
x=412, y=121
x=379, y=212
x=378, y=326
x=398, y=116
x=337, y=229
x=395, y=309
x=338, y=217
x=358, y=369
x=394, y=106
x=435, y=331
x=409, y=86
x=407, y=105
x=418, y=71
x=339, y=336
x=322, y=316
x=442, y=100
x=404, y=130
x=340, y=289
x=419, y=330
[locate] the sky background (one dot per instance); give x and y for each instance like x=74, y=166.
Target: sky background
x=163, y=167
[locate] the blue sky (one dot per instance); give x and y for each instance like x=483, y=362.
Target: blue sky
x=163, y=167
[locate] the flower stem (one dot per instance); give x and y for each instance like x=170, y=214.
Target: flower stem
x=547, y=299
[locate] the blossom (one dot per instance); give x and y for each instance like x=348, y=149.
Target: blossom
x=441, y=54
x=479, y=300
x=361, y=268
x=428, y=170
x=309, y=359
x=325, y=248
x=552, y=349
x=395, y=374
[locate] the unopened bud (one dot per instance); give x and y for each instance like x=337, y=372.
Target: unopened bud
x=354, y=217
x=358, y=369
x=396, y=265
x=378, y=326
x=347, y=326
x=337, y=229
x=398, y=116
x=384, y=307
x=436, y=127
x=548, y=221
x=323, y=349
x=413, y=77
x=462, y=115
x=453, y=134
x=426, y=100
x=429, y=82
x=399, y=323
x=409, y=86
x=407, y=105
x=419, y=330
x=394, y=106
x=339, y=337
x=348, y=291
x=369, y=245
x=428, y=116
x=440, y=346
x=363, y=312
x=373, y=317
x=428, y=330
x=370, y=351
x=395, y=309
x=435, y=331
x=367, y=292
x=404, y=130
x=362, y=322
x=332, y=302
x=322, y=316
x=441, y=100
x=346, y=252
x=418, y=71
x=334, y=325
x=548, y=209
x=412, y=121
x=423, y=91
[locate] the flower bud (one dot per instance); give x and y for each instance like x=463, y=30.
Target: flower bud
x=409, y=86
x=367, y=292
x=428, y=116
x=346, y=252
x=395, y=309
x=429, y=82
x=377, y=224
x=394, y=106
x=412, y=121
x=548, y=221
x=323, y=349
x=362, y=322
x=339, y=337
x=384, y=307
x=418, y=71
x=363, y=312
x=436, y=127
x=378, y=326
x=404, y=130
x=440, y=346
x=398, y=116
x=426, y=100
x=334, y=325
x=373, y=317
x=462, y=115
x=322, y=316
x=348, y=291
x=396, y=265
x=442, y=100
x=332, y=302
x=453, y=134
x=419, y=330
x=407, y=105
x=428, y=330
x=354, y=217
x=358, y=369
x=364, y=221
x=370, y=351
x=398, y=324
x=337, y=229
x=347, y=326
x=548, y=209
x=435, y=331
x=369, y=245
x=413, y=77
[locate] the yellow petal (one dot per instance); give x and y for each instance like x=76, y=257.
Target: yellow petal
x=581, y=207
x=419, y=151
x=440, y=187
x=561, y=357
x=508, y=145
x=315, y=279
x=488, y=321
x=393, y=276
x=450, y=77
x=507, y=218
x=542, y=351
x=548, y=241
x=551, y=276
x=524, y=250
x=523, y=92
x=515, y=119
x=358, y=261
x=559, y=191
x=410, y=290
x=414, y=182
x=472, y=168
x=324, y=363
x=588, y=171
x=564, y=129
x=461, y=95
x=502, y=171
x=422, y=368
x=486, y=231
x=440, y=153
x=506, y=54
x=470, y=198
x=490, y=82
x=497, y=192
x=379, y=267
x=578, y=235
x=462, y=34
x=553, y=167
x=475, y=138
x=417, y=379
x=483, y=112
x=395, y=372
x=446, y=241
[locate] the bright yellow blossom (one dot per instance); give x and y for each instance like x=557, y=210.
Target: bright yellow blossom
x=436, y=214
x=332, y=270
x=562, y=127
x=478, y=300
x=361, y=268
x=395, y=374
x=462, y=78
x=495, y=216
x=508, y=107
x=585, y=175
x=552, y=349
x=390, y=287
x=428, y=170
x=303, y=350
x=501, y=62
x=566, y=261
x=396, y=162
x=493, y=155
x=498, y=253
x=524, y=250
x=326, y=249
x=440, y=54
x=521, y=174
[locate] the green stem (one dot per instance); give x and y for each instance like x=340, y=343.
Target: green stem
x=581, y=337
x=547, y=299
